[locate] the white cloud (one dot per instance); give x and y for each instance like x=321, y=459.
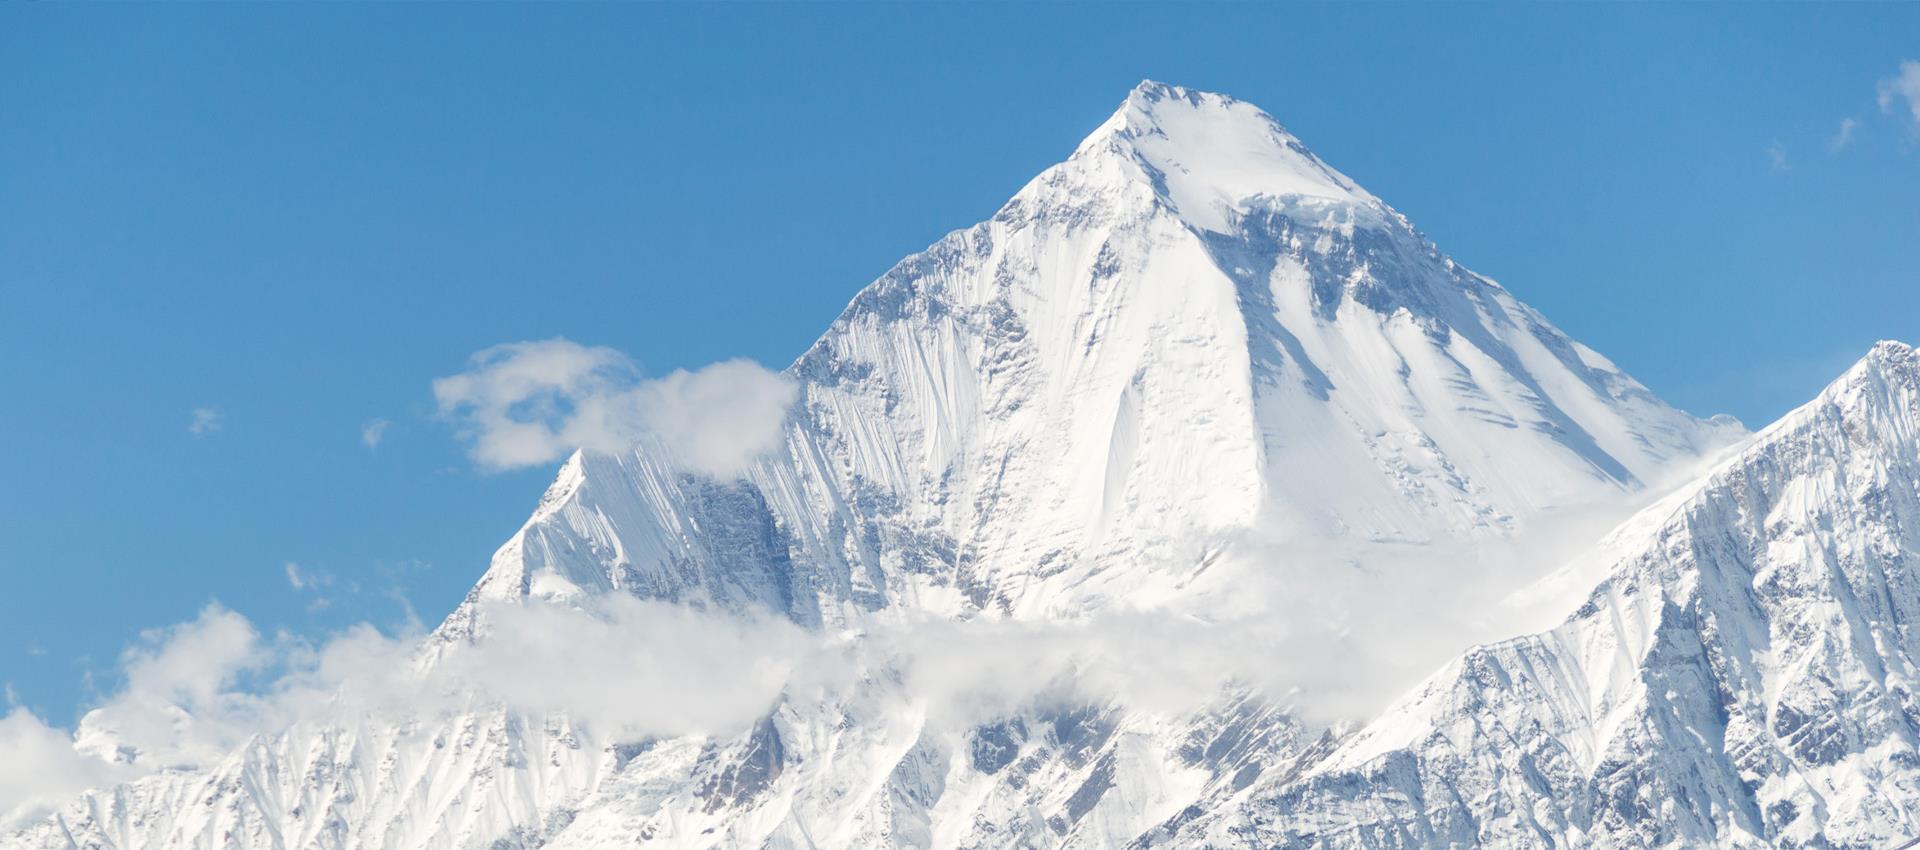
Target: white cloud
x=1777, y=157
x=373, y=432
x=1903, y=86
x=206, y=420
x=634, y=668
x=195, y=691
x=43, y=768
x=179, y=704
x=718, y=418
x=1844, y=136
x=529, y=403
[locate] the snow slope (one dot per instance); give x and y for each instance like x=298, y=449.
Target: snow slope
x=1745, y=676
x=1191, y=334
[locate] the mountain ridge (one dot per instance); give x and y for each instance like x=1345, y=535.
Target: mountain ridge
x=1743, y=609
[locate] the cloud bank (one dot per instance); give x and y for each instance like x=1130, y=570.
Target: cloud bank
x=1328, y=634
x=628, y=669
x=529, y=403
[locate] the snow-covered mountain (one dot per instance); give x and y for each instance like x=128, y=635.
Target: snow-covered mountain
x=1744, y=675
x=1191, y=328
x=1188, y=354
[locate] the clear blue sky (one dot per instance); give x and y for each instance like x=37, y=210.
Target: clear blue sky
x=298, y=216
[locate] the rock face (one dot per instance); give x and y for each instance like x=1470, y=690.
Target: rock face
x=1189, y=333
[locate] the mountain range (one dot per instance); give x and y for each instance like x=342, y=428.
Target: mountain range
x=1195, y=395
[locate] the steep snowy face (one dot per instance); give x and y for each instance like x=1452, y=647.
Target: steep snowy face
x=1211, y=157
x=1746, y=675
x=1191, y=332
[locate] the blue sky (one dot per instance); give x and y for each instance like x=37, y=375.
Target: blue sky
x=283, y=222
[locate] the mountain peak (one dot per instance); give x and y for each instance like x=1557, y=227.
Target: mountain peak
x=1887, y=377
x=1879, y=393
x=1212, y=156
x=1150, y=93
x=1890, y=351
x=1887, y=362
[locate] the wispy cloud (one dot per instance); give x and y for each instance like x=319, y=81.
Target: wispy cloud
x=374, y=431
x=1901, y=93
x=205, y=421
x=1777, y=157
x=528, y=403
x=300, y=578
x=324, y=586
x=1844, y=136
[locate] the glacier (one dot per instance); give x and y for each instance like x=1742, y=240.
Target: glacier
x=1180, y=372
